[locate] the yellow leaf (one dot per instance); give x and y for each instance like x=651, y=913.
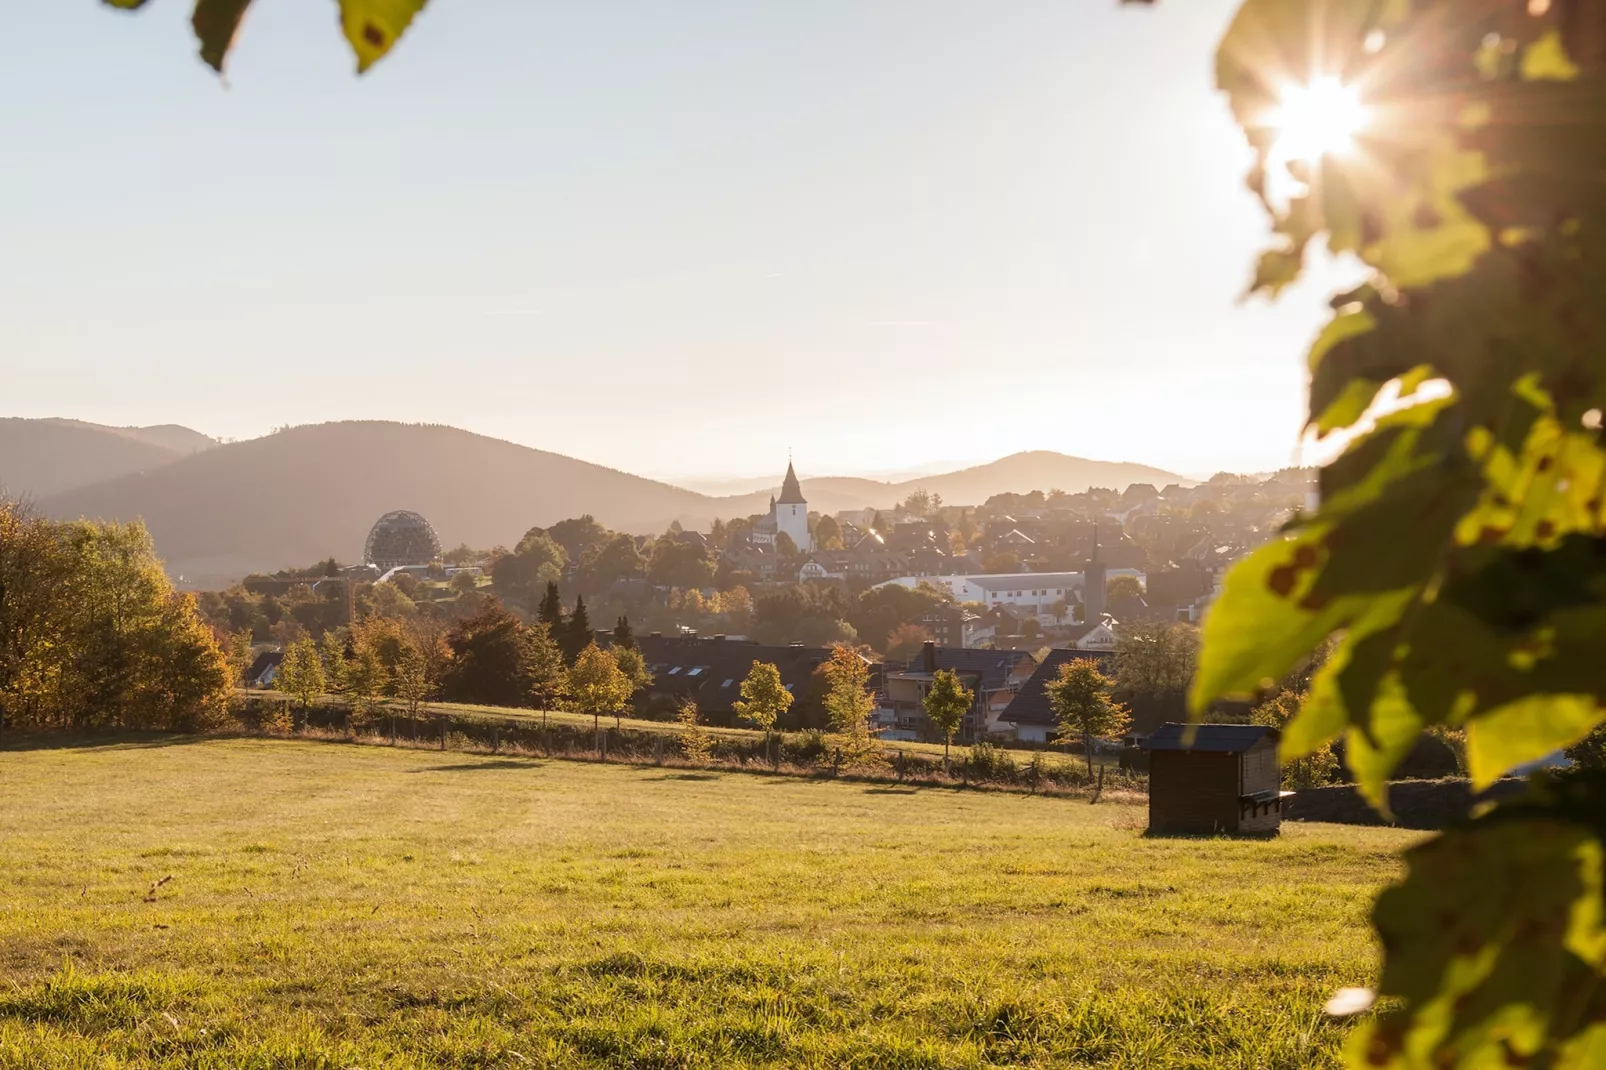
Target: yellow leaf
x=374, y=26
x=1525, y=731
x=1546, y=60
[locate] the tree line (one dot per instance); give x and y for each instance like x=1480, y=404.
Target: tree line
x=92, y=634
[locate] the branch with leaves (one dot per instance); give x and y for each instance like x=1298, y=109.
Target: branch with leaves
x=371, y=27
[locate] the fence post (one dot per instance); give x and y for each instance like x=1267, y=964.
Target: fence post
x=902, y=754
x=443, y=733
x=658, y=750
x=602, y=743
x=496, y=739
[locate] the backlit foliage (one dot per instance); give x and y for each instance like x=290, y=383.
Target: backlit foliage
x=1459, y=552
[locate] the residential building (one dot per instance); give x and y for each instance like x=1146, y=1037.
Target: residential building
x=994, y=676
x=1029, y=717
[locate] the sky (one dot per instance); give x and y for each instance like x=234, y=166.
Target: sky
x=677, y=238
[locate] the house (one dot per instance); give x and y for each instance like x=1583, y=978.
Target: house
x=1096, y=636
x=710, y=670
x=264, y=667
x=1211, y=778
x=995, y=676
x=1029, y=717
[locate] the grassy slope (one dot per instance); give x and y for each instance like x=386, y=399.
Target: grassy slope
x=337, y=906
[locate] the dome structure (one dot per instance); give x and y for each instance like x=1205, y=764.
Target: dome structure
x=401, y=538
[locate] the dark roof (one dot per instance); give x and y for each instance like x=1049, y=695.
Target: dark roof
x=1031, y=705
x=712, y=670
x=791, y=492
x=1217, y=738
x=992, y=666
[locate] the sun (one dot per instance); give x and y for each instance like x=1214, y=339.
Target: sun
x=1321, y=118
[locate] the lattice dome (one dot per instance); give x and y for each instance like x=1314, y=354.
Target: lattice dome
x=401, y=538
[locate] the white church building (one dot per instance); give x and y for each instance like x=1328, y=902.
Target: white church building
x=789, y=515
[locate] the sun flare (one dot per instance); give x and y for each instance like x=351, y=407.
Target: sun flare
x=1318, y=119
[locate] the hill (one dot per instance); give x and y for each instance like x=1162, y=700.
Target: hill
x=39, y=458
x=1019, y=473
x=309, y=492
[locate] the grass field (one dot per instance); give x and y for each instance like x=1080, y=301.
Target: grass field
x=339, y=907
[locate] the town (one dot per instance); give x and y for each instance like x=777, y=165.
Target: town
x=1002, y=594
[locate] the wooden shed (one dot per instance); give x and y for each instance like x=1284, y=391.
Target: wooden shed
x=1209, y=778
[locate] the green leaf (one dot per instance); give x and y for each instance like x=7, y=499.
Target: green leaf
x=215, y=23
x=125, y=5
x=374, y=26
x=1493, y=943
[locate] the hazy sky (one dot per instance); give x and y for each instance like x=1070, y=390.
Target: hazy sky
x=673, y=237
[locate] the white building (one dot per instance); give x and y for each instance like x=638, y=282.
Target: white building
x=1039, y=592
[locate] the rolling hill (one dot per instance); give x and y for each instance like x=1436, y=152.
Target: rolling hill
x=39, y=458
x=307, y=493
x=1019, y=473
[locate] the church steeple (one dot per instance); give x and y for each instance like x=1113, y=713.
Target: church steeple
x=791, y=491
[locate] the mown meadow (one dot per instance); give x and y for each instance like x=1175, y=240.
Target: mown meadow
x=286, y=904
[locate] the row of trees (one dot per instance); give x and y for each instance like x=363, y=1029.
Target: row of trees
x=92, y=634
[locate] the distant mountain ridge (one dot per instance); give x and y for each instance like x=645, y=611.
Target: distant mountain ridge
x=307, y=493
x=1019, y=473
x=41, y=457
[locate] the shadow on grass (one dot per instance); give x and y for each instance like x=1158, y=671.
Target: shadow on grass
x=686, y=776
x=892, y=791
x=467, y=767
x=118, y=740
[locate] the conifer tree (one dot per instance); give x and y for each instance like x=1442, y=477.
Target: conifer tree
x=551, y=611
x=577, y=632
x=623, y=636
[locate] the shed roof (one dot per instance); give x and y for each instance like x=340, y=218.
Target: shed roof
x=1217, y=738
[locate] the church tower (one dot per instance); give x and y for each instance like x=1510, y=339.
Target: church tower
x=791, y=512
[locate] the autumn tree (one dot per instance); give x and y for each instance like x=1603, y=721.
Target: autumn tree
x=828, y=533
x=634, y=666
x=906, y=641
x=848, y=706
x=694, y=741
x=411, y=680
x=765, y=698
x=544, y=670
x=596, y=686
x=366, y=681
x=488, y=662
x=946, y=703
x=1080, y=699
x=1318, y=767
x=1122, y=587
x=300, y=675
